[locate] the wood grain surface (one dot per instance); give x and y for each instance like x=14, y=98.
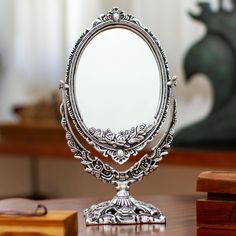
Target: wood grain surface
x=179, y=210
x=55, y=223
x=215, y=232
x=216, y=214
x=218, y=211
x=217, y=182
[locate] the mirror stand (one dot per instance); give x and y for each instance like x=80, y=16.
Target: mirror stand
x=123, y=209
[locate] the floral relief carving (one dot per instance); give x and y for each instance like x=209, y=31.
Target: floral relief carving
x=108, y=174
x=122, y=138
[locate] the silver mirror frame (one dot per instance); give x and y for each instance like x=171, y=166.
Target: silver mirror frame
x=123, y=208
x=129, y=142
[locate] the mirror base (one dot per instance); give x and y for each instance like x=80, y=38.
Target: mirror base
x=123, y=209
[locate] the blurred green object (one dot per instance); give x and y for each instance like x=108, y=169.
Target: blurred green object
x=215, y=56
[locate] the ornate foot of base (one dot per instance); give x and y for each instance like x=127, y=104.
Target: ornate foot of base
x=123, y=210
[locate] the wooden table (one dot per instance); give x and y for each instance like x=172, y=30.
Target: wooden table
x=179, y=210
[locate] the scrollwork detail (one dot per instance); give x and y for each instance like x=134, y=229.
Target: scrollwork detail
x=105, y=172
x=122, y=138
x=106, y=141
x=123, y=208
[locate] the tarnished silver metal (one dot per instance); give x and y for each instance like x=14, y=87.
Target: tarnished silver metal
x=123, y=208
x=105, y=22
x=122, y=140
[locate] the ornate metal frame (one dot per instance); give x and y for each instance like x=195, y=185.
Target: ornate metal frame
x=122, y=209
x=124, y=144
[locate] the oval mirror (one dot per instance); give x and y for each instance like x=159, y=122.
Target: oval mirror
x=116, y=94
x=117, y=84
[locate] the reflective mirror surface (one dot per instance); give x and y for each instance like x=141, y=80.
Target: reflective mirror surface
x=117, y=81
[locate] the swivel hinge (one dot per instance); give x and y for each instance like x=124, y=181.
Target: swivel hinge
x=63, y=85
x=173, y=81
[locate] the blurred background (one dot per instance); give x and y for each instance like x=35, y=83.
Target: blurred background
x=35, y=43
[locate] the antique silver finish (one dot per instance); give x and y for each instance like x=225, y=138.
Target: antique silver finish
x=122, y=140
x=123, y=208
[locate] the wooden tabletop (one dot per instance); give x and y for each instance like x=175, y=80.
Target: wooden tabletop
x=179, y=210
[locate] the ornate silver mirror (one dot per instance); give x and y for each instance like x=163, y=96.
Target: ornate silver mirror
x=116, y=98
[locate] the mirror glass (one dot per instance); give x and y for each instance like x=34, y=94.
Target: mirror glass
x=117, y=81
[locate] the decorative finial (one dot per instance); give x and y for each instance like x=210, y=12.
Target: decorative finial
x=116, y=14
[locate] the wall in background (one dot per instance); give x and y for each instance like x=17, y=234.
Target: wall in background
x=66, y=178
x=70, y=180
x=14, y=176
x=36, y=38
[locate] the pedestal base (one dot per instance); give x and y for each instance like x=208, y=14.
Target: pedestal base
x=123, y=210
